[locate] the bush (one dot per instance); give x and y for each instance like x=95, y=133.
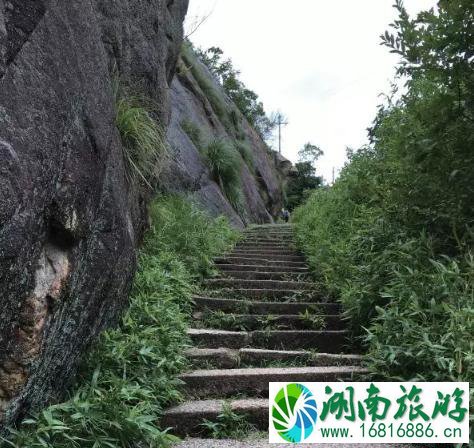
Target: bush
x=143, y=139
x=393, y=237
x=225, y=165
x=131, y=374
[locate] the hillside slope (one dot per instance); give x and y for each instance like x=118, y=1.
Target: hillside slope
x=202, y=113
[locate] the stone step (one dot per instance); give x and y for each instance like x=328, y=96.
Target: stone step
x=187, y=418
x=261, y=268
x=267, y=256
x=256, y=307
x=261, y=442
x=295, y=295
x=253, y=250
x=290, y=255
x=225, y=358
x=276, y=275
x=271, y=242
x=260, y=261
x=266, y=244
x=259, y=284
x=252, y=322
x=254, y=381
x=330, y=341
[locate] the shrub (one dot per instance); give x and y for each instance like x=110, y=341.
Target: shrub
x=131, y=374
x=143, y=139
x=225, y=165
x=393, y=237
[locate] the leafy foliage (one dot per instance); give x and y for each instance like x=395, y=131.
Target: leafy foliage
x=246, y=100
x=393, y=237
x=229, y=425
x=143, y=139
x=131, y=374
x=225, y=164
x=304, y=180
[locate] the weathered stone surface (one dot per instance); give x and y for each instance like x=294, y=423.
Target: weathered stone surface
x=69, y=223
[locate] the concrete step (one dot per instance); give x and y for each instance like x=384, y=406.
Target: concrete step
x=258, y=251
x=252, y=322
x=254, y=381
x=260, y=261
x=259, y=284
x=277, y=275
x=266, y=244
x=294, y=295
x=260, y=442
x=261, y=268
x=225, y=358
x=330, y=341
x=270, y=256
x=186, y=419
x=257, y=307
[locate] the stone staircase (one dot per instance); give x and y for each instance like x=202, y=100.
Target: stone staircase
x=262, y=320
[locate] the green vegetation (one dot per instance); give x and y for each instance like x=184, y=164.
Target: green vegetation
x=245, y=99
x=229, y=425
x=194, y=132
x=131, y=373
x=393, y=237
x=247, y=155
x=142, y=137
x=302, y=183
x=225, y=164
x=205, y=84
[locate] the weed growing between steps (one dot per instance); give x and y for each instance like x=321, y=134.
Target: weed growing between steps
x=130, y=375
x=229, y=425
x=393, y=237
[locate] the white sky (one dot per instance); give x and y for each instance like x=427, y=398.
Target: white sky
x=318, y=61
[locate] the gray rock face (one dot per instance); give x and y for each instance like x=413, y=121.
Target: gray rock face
x=187, y=171
x=69, y=223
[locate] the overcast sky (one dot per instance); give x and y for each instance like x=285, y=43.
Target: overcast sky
x=318, y=61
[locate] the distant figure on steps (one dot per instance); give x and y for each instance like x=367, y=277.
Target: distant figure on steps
x=285, y=214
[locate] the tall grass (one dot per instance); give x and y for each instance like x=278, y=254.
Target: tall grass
x=225, y=165
x=247, y=155
x=194, y=132
x=131, y=374
x=142, y=137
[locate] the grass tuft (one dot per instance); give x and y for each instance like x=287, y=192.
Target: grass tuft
x=225, y=165
x=143, y=140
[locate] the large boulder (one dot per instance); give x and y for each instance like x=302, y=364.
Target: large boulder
x=69, y=222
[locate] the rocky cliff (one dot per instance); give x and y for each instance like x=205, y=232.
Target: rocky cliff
x=69, y=222
x=202, y=113
x=70, y=218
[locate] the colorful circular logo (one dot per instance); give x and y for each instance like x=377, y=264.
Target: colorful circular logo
x=294, y=413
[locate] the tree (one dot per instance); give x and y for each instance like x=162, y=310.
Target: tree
x=310, y=153
x=304, y=181
x=246, y=100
